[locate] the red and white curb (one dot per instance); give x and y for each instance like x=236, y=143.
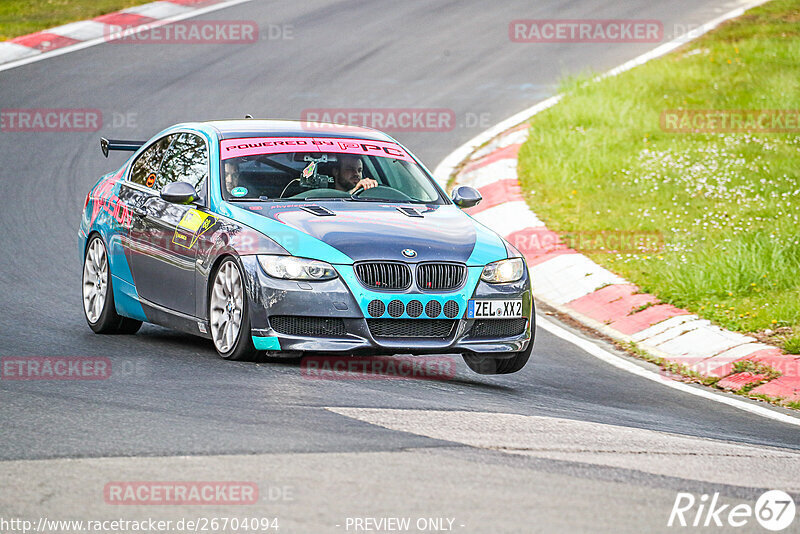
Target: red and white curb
x=76, y=35
x=575, y=285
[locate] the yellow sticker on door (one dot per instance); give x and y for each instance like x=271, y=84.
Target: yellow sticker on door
x=193, y=224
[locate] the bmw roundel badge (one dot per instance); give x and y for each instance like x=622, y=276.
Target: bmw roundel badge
x=410, y=253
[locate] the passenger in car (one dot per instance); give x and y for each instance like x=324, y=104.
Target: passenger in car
x=231, y=176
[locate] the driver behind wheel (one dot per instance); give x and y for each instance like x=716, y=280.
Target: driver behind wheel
x=348, y=175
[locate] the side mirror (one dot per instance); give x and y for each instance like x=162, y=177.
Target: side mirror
x=465, y=196
x=179, y=193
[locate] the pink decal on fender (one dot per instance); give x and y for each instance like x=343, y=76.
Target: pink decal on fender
x=234, y=148
x=104, y=198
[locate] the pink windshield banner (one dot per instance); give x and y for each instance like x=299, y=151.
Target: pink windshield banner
x=252, y=146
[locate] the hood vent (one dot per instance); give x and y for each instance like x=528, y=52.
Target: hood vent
x=319, y=211
x=410, y=212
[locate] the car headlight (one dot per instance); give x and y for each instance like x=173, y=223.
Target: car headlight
x=503, y=271
x=291, y=268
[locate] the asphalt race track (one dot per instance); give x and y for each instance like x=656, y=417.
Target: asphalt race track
x=336, y=449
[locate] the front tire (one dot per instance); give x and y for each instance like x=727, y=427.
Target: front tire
x=228, y=313
x=490, y=365
x=98, y=294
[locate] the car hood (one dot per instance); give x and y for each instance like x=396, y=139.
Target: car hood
x=377, y=231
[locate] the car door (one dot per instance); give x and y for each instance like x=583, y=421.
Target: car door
x=135, y=193
x=164, y=235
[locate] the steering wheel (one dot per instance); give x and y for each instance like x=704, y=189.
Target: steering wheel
x=393, y=194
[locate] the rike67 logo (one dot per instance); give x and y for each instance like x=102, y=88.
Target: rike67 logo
x=774, y=510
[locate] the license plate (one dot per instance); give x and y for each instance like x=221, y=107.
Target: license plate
x=494, y=309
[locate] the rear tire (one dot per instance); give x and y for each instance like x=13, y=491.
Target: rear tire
x=228, y=313
x=98, y=293
x=491, y=365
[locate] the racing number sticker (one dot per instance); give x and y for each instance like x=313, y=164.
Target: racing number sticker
x=193, y=224
x=151, y=180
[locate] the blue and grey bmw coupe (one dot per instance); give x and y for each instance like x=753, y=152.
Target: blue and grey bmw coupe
x=283, y=238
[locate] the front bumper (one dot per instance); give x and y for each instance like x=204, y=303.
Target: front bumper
x=334, y=300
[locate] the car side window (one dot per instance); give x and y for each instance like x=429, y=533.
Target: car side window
x=145, y=168
x=186, y=160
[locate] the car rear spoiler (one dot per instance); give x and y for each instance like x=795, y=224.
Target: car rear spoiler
x=117, y=144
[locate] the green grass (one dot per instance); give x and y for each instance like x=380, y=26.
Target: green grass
x=20, y=17
x=727, y=205
x=792, y=345
x=757, y=368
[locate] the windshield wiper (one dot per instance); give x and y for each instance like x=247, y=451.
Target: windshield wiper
x=372, y=199
x=387, y=200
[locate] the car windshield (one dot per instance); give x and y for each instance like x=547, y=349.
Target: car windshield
x=276, y=175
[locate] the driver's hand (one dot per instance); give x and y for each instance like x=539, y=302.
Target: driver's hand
x=364, y=183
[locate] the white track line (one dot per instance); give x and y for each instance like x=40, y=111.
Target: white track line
x=620, y=363
x=451, y=161
x=105, y=39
